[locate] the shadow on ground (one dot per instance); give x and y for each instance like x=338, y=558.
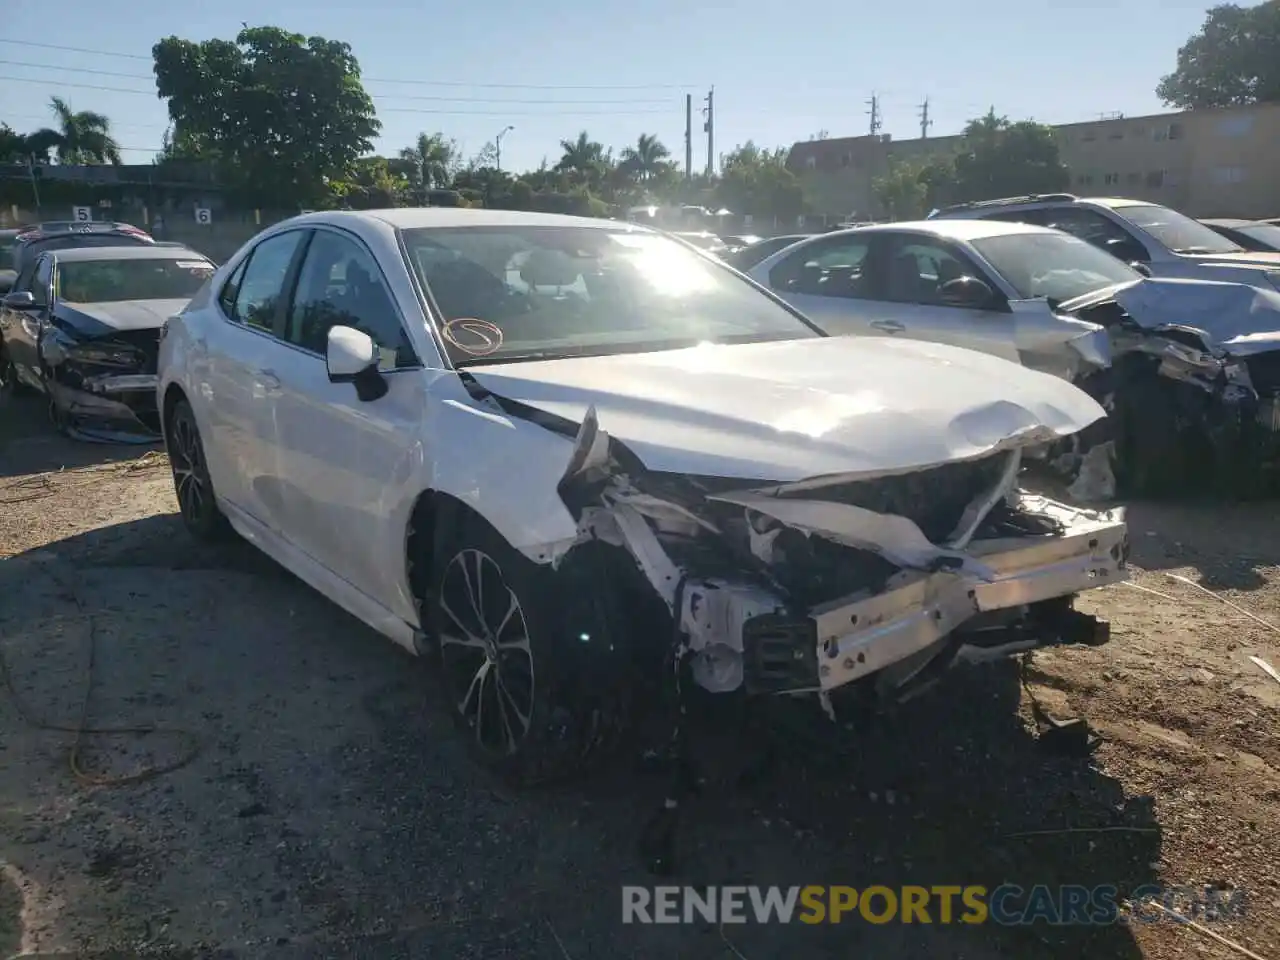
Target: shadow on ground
x=1228, y=543
x=333, y=810
x=29, y=443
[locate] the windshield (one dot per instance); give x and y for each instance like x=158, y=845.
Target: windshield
x=110, y=281
x=1056, y=266
x=1176, y=231
x=1266, y=233
x=516, y=293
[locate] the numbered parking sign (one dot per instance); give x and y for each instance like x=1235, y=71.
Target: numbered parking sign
x=203, y=215
x=82, y=214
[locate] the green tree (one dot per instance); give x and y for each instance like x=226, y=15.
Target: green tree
x=432, y=160
x=281, y=115
x=585, y=160
x=902, y=192
x=80, y=137
x=372, y=185
x=1233, y=60
x=757, y=182
x=998, y=158
x=648, y=160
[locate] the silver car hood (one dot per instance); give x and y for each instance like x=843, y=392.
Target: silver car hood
x=791, y=410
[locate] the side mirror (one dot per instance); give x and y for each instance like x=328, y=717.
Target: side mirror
x=23, y=300
x=1127, y=250
x=352, y=357
x=1141, y=267
x=967, y=292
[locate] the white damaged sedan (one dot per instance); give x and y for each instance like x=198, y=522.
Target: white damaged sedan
x=570, y=455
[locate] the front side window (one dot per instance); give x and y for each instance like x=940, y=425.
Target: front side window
x=829, y=268
x=1056, y=266
x=1176, y=231
x=537, y=292
x=258, y=298
x=916, y=270
x=111, y=281
x=340, y=285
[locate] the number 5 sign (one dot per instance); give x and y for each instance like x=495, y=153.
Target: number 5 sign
x=203, y=215
x=82, y=214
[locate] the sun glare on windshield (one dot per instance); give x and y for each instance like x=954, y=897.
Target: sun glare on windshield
x=667, y=268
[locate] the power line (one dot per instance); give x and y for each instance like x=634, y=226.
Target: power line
x=425, y=83
x=383, y=96
x=459, y=113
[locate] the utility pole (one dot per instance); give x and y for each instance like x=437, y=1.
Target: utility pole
x=709, y=125
x=497, y=147
x=688, y=136
x=925, y=122
x=874, y=113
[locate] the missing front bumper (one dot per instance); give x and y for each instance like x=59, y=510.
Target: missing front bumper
x=855, y=637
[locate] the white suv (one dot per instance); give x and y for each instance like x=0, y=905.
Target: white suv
x=1153, y=238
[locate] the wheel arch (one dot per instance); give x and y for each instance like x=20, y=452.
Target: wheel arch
x=172, y=395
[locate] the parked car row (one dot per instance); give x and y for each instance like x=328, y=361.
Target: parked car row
x=81, y=323
x=566, y=455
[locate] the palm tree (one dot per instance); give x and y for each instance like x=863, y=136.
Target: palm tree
x=584, y=158
x=647, y=159
x=433, y=161
x=83, y=137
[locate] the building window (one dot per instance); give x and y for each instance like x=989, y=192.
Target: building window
x=1155, y=178
x=1116, y=134
x=1235, y=126
x=845, y=159
x=810, y=163
x=1089, y=135
x=1175, y=131
x=1221, y=176
x=1084, y=180
x=1111, y=179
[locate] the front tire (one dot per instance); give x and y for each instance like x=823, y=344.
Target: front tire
x=197, y=503
x=534, y=670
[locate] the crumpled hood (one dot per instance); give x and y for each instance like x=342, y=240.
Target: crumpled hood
x=1241, y=319
x=101, y=318
x=802, y=408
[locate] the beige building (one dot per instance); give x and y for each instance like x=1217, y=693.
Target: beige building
x=1208, y=163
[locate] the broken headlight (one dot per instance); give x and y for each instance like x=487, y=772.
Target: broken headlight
x=117, y=355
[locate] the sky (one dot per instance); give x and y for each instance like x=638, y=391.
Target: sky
x=616, y=70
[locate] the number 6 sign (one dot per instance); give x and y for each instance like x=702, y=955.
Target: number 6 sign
x=203, y=216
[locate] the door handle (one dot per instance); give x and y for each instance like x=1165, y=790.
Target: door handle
x=888, y=326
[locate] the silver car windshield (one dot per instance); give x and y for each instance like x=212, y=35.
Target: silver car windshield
x=1175, y=230
x=538, y=292
x=1052, y=265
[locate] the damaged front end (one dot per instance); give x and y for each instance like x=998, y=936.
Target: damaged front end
x=1193, y=394
x=102, y=386
x=871, y=586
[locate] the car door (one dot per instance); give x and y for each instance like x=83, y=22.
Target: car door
x=22, y=327
x=237, y=364
x=339, y=457
x=915, y=268
x=831, y=281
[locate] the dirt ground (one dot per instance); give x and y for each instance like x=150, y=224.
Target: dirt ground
x=332, y=812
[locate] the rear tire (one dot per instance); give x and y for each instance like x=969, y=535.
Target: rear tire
x=535, y=670
x=197, y=503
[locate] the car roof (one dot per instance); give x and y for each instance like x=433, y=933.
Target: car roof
x=1229, y=223
x=947, y=229
x=409, y=218
x=138, y=252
